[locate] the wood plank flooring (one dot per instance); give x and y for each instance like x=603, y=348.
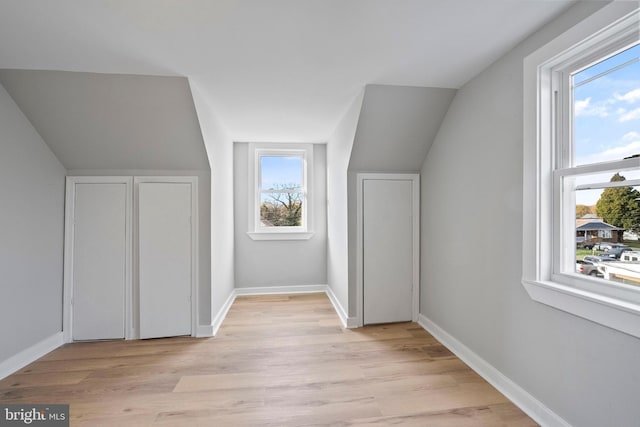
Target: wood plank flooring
x=280, y=360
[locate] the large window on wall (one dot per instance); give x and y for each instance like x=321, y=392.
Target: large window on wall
x=598, y=170
x=280, y=201
x=582, y=170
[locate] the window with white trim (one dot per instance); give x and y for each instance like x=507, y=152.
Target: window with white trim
x=280, y=198
x=582, y=154
x=597, y=150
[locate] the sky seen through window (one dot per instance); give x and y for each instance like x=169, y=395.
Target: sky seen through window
x=606, y=122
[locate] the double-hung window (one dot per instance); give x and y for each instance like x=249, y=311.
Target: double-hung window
x=582, y=169
x=280, y=201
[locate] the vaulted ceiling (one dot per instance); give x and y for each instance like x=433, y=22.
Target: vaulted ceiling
x=396, y=127
x=272, y=70
x=111, y=121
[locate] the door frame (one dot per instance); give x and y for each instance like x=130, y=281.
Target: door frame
x=193, y=180
x=69, y=239
x=415, y=180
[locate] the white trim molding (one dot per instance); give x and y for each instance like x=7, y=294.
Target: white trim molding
x=31, y=354
x=204, y=331
x=347, y=322
x=540, y=413
x=275, y=290
x=208, y=331
x=291, y=235
x=222, y=313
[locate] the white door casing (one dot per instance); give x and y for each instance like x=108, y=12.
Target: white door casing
x=387, y=248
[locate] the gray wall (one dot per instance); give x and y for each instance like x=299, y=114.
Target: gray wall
x=396, y=127
x=114, y=124
x=472, y=225
x=220, y=153
x=111, y=121
x=280, y=262
x=338, y=154
x=31, y=233
x=204, y=225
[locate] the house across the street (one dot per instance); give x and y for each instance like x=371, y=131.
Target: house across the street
x=593, y=228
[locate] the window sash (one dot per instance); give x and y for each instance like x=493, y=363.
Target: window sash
x=609, y=184
x=604, y=167
x=564, y=189
x=259, y=153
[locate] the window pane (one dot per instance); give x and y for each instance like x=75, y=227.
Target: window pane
x=281, y=172
x=281, y=209
x=606, y=102
x=607, y=226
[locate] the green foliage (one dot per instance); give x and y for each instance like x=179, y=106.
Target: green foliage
x=582, y=210
x=620, y=206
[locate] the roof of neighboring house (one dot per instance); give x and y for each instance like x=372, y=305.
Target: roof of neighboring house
x=597, y=225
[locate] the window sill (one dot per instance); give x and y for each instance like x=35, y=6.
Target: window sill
x=621, y=315
x=288, y=235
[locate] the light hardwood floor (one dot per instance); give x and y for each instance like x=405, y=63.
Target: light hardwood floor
x=280, y=360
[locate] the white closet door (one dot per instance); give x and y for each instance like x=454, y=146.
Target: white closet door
x=164, y=258
x=99, y=260
x=387, y=251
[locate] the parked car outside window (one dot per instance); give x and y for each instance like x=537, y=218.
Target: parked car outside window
x=616, y=252
x=588, y=268
x=585, y=244
x=605, y=246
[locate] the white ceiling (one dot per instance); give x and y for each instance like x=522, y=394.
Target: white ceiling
x=272, y=70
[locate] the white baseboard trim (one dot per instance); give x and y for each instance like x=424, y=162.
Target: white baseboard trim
x=31, y=354
x=204, y=331
x=352, y=323
x=347, y=322
x=337, y=306
x=520, y=397
x=274, y=290
x=222, y=313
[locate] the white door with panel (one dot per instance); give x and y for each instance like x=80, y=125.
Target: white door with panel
x=165, y=258
x=389, y=249
x=99, y=227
